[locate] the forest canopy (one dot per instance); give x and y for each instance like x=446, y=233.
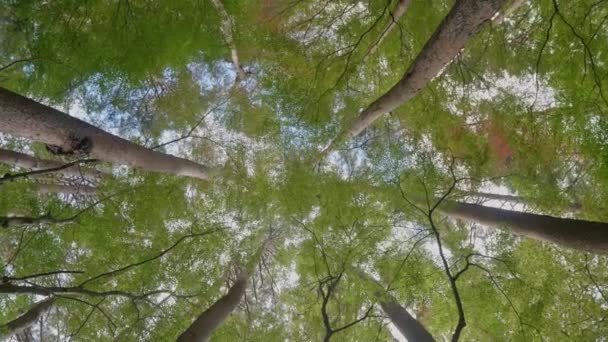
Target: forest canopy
x=303, y=170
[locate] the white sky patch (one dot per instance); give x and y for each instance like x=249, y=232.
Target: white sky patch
x=177, y=225
x=533, y=92
x=346, y=164
x=327, y=31
x=179, y=148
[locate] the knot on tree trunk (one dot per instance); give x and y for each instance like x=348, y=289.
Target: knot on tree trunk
x=75, y=145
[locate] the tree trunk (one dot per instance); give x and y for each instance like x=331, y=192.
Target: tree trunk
x=465, y=20
x=15, y=221
x=400, y=10
x=23, y=117
x=577, y=234
x=24, y=321
x=214, y=316
x=25, y=161
x=44, y=189
x=227, y=30
x=409, y=327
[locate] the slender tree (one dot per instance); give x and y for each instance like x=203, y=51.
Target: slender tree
x=26, y=320
x=409, y=327
x=577, y=234
x=228, y=32
x=465, y=20
x=204, y=325
x=23, y=117
x=399, y=11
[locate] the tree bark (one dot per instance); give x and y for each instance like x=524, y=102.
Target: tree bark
x=583, y=235
x=202, y=328
x=465, y=20
x=227, y=30
x=44, y=189
x=25, y=161
x=409, y=327
x=400, y=10
x=23, y=117
x=15, y=221
x=24, y=321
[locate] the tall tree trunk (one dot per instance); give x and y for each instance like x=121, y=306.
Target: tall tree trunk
x=66, y=189
x=25, y=161
x=214, y=316
x=227, y=30
x=464, y=21
x=400, y=10
x=15, y=221
x=409, y=327
x=204, y=325
x=577, y=234
x=24, y=321
x=23, y=117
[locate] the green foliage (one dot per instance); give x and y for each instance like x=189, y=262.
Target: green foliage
x=522, y=110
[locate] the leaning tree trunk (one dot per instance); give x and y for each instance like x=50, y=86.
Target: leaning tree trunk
x=400, y=10
x=214, y=316
x=25, y=161
x=583, y=235
x=204, y=325
x=23, y=117
x=409, y=327
x=24, y=321
x=465, y=20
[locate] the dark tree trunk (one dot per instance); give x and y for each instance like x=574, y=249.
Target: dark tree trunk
x=583, y=235
x=202, y=328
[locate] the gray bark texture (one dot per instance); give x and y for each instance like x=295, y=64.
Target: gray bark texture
x=399, y=11
x=26, y=320
x=204, y=325
x=409, y=327
x=583, y=235
x=23, y=117
x=463, y=22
